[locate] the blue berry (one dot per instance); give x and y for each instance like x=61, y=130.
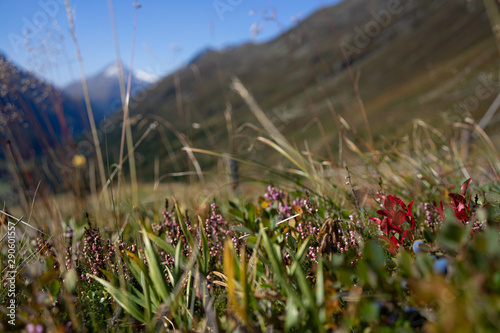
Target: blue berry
x=416, y=246
x=440, y=266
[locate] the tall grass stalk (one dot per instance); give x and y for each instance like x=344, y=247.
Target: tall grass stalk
x=90, y=114
x=108, y=182
x=126, y=127
x=185, y=145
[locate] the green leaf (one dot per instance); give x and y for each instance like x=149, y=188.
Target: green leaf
x=493, y=198
x=237, y=214
x=390, y=264
x=155, y=270
x=54, y=288
x=177, y=262
x=374, y=254
x=302, y=252
x=204, y=248
x=233, y=205
x=161, y=243
x=370, y=311
x=320, y=291
x=242, y=229
x=147, y=298
x=251, y=216
x=292, y=317
x=123, y=299
x=292, y=243
x=451, y=235
x=70, y=280
x=277, y=267
x=170, y=276
x=404, y=263
x=307, y=296
x=429, y=236
x=424, y=264
x=322, y=212
x=184, y=227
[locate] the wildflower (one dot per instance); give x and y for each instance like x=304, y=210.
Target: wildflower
x=30, y=328
x=78, y=161
x=273, y=194
x=311, y=254
x=432, y=219
x=217, y=230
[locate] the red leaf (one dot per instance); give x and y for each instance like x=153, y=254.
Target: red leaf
x=385, y=226
x=413, y=223
x=440, y=209
x=388, y=241
x=399, y=218
x=382, y=212
x=394, y=245
x=393, y=242
x=396, y=229
x=462, y=215
x=409, y=208
x=399, y=202
x=464, y=187
x=456, y=199
x=389, y=205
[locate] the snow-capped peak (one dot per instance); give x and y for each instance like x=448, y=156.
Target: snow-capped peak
x=145, y=76
x=111, y=71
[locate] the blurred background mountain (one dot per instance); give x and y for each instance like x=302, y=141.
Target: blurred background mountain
x=104, y=89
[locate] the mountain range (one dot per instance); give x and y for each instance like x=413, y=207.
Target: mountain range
x=398, y=60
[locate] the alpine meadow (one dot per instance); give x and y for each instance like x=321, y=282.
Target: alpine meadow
x=250, y=166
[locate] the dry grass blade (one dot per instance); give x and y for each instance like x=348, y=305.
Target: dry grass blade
x=113, y=174
x=90, y=113
x=185, y=145
x=126, y=128
x=257, y=111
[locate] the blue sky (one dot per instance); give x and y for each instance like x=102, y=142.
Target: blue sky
x=35, y=33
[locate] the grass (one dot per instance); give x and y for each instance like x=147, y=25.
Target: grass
x=391, y=235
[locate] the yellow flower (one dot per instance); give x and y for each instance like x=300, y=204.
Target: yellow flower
x=79, y=161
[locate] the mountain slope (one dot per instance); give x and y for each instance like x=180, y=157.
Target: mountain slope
x=37, y=126
x=39, y=113
x=421, y=59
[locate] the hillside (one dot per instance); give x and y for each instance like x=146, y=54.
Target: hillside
x=422, y=59
x=37, y=125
